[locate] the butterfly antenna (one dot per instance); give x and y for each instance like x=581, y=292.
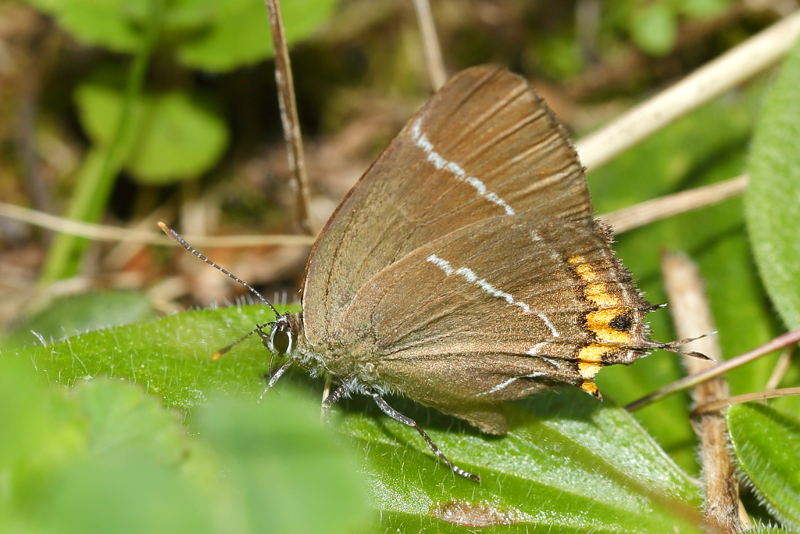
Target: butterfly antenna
x=217, y=355
x=182, y=242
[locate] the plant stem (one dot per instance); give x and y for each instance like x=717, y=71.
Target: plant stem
x=289, y=118
x=784, y=340
x=102, y=164
x=437, y=74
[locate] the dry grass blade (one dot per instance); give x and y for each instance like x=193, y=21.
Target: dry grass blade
x=789, y=338
x=782, y=365
x=430, y=44
x=747, y=397
x=728, y=70
x=289, y=117
x=102, y=232
x=656, y=209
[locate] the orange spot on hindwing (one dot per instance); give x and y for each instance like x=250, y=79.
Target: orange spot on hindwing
x=600, y=322
x=591, y=388
x=599, y=293
x=610, y=321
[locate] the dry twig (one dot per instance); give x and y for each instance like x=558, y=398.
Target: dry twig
x=692, y=317
x=664, y=207
x=728, y=70
x=781, y=366
x=430, y=44
x=789, y=338
x=102, y=232
x=289, y=117
x=747, y=397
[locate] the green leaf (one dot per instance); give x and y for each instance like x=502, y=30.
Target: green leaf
x=70, y=315
x=124, y=420
x=119, y=25
x=209, y=35
x=177, y=136
x=170, y=357
x=97, y=457
x=240, y=34
x=773, y=210
x=123, y=494
x=40, y=432
x=767, y=445
x=569, y=463
x=105, y=23
x=702, y=9
x=107, y=455
x=285, y=469
x=765, y=439
x=654, y=28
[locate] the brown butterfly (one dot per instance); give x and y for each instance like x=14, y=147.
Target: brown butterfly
x=465, y=268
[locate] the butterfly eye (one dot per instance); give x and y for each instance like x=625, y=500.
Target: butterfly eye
x=281, y=340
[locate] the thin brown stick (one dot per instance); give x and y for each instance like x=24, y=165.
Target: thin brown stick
x=782, y=365
x=430, y=44
x=728, y=70
x=621, y=220
x=102, y=232
x=692, y=317
x=789, y=338
x=659, y=208
x=289, y=117
x=747, y=397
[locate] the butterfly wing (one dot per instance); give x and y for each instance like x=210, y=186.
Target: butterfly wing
x=484, y=146
x=495, y=311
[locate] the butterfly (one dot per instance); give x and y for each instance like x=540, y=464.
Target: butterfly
x=465, y=268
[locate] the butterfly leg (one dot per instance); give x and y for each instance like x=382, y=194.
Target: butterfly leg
x=275, y=376
x=397, y=416
x=332, y=398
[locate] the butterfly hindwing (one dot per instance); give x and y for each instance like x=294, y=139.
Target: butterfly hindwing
x=496, y=311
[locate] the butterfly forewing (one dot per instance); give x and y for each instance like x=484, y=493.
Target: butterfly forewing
x=495, y=311
x=484, y=146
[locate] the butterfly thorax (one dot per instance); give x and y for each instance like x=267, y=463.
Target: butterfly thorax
x=348, y=362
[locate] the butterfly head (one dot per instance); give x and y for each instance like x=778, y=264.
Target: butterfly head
x=282, y=335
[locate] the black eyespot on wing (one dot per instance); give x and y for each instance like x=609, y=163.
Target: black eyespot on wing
x=621, y=322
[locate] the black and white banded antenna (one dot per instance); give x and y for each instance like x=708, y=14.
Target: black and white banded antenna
x=182, y=242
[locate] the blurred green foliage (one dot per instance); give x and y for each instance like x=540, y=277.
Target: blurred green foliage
x=176, y=135
x=69, y=315
x=166, y=136
x=105, y=457
x=203, y=34
x=654, y=25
